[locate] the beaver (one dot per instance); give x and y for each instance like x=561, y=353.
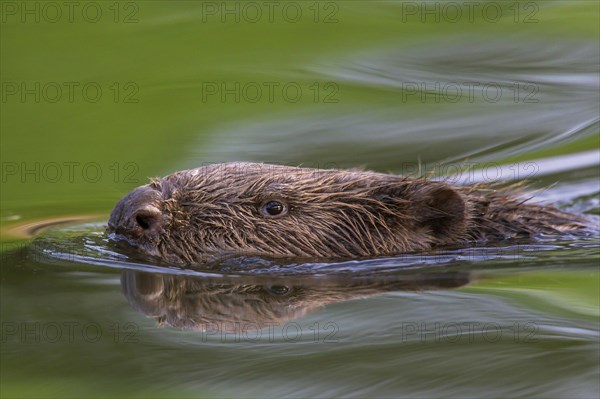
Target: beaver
x=254, y=209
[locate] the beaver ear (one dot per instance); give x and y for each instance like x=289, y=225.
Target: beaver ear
x=443, y=210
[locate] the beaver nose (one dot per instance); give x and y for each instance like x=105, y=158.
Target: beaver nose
x=137, y=212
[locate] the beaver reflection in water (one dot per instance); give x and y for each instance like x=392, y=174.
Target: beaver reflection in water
x=252, y=209
x=202, y=304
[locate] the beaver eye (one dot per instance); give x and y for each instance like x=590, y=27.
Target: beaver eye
x=273, y=208
x=278, y=289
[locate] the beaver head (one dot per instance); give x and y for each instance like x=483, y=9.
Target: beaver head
x=252, y=209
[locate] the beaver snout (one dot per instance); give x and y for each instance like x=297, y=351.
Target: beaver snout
x=137, y=216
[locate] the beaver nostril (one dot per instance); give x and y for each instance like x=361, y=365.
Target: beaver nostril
x=146, y=220
x=143, y=221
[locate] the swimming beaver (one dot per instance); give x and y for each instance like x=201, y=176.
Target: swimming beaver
x=254, y=209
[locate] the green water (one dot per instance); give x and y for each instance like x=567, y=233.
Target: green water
x=95, y=101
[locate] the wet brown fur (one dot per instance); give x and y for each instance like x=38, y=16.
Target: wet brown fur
x=214, y=211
